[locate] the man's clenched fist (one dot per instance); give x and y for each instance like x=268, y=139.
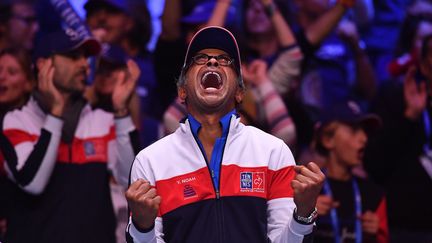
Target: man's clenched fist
x=143, y=202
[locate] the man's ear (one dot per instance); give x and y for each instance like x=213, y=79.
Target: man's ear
x=182, y=93
x=239, y=95
x=328, y=142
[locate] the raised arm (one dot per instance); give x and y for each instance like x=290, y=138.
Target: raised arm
x=283, y=30
x=293, y=194
x=144, y=225
x=366, y=83
x=171, y=20
x=219, y=13
x=276, y=113
x=286, y=69
x=126, y=144
x=318, y=30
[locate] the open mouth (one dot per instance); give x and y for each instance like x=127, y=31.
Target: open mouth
x=211, y=80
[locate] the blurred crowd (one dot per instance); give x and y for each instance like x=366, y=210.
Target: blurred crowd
x=344, y=83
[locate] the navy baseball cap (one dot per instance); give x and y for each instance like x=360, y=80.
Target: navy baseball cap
x=203, y=11
x=350, y=112
x=62, y=42
x=215, y=37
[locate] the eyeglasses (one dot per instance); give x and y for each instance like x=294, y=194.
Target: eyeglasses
x=27, y=19
x=223, y=60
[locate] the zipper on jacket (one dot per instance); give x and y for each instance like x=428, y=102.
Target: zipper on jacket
x=216, y=190
x=211, y=172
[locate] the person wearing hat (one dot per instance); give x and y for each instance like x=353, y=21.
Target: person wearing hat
x=215, y=179
x=110, y=16
x=111, y=64
x=60, y=151
x=350, y=208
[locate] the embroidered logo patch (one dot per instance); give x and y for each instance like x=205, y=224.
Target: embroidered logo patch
x=252, y=181
x=188, y=192
x=89, y=148
x=246, y=180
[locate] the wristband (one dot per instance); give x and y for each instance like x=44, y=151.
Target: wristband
x=305, y=220
x=346, y=3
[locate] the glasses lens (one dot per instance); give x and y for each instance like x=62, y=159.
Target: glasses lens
x=201, y=59
x=224, y=60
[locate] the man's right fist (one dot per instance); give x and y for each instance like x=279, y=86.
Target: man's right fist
x=143, y=202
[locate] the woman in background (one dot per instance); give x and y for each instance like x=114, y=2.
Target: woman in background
x=16, y=84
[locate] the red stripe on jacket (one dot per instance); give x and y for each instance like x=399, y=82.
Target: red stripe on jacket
x=17, y=136
x=234, y=181
x=81, y=151
x=383, y=231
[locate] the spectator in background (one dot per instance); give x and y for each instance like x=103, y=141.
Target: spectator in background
x=269, y=37
x=335, y=59
x=335, y=67
x=351, y=208
x=16, y=83
x=60, y=152
x=99, y=94
x=415, y=27
x=16, y=79
x=381, y=34
x=111, y=64
x=399, y=157
x=127, y=24
x=110, y=16
x=18, y=24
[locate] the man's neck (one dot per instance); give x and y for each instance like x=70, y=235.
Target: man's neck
x=210, y=126
x=337, y=170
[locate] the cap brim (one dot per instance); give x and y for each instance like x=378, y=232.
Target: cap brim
x=370, y=122
x=91, y=46
x=213, y=37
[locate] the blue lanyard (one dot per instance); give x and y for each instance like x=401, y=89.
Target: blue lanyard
x=358, y=212
x=426, y=146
